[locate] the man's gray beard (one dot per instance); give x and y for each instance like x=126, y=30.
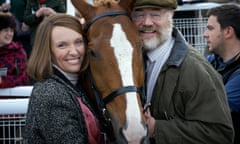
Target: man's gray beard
x=153, y=43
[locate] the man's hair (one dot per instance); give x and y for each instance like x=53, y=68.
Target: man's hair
x=227, y=15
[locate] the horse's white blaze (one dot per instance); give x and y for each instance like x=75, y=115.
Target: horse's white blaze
x=124, y=52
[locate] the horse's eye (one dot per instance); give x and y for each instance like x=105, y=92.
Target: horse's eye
x=91, y=52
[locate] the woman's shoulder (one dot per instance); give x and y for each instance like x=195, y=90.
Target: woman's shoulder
x=48, y=92
x=48, y=85
x=53, y=87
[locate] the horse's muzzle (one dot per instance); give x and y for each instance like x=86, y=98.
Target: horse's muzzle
x=143, y=140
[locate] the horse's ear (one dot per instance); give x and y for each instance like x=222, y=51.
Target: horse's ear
x=86, y=9
x=127, y=4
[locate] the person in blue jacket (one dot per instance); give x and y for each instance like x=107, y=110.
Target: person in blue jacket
x=223, y=39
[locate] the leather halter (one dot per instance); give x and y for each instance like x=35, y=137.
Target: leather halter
x=102, y=102
x=114, y=13
x=110, y=97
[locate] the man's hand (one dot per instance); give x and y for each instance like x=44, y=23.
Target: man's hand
x=24, y=27
x=49, y=11
x=44, y=11
x=150, y=121
x=5, y=7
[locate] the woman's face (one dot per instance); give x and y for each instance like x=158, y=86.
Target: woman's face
x=6, y=36
x=68, y=49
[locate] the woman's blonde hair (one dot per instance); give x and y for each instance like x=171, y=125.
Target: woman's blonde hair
x=41, y=59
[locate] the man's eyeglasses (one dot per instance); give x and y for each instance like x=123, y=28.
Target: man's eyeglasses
x=140, y=15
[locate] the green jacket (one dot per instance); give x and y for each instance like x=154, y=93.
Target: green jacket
x=32, y=6
x=17, y=8
x=189, y=101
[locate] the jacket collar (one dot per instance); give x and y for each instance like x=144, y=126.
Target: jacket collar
x=179, y=50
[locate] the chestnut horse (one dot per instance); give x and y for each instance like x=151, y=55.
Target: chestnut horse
x=116, y=66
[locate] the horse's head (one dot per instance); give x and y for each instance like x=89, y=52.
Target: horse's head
x=116, y=65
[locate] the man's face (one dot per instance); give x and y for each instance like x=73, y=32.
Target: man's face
x=214, y=35
x=154, y=25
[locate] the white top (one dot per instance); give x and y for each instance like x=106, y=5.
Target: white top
x=72, y=77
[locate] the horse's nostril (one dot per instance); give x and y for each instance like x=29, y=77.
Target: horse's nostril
x=146, y=140
x=123, y=136
x=130, y=137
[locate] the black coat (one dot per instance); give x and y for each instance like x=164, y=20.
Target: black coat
x=54, y=115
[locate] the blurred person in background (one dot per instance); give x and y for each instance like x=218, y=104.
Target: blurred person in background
x=5, y=5
x=223, y=39
x=17, y=7
x=37, y=10
x=13, y=57
x=23, y=33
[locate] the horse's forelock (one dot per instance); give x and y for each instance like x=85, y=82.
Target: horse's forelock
x=106, y=3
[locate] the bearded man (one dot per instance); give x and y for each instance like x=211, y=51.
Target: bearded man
x=186, y=96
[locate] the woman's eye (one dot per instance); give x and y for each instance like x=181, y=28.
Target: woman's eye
x=61, y=45
x=79, y=42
